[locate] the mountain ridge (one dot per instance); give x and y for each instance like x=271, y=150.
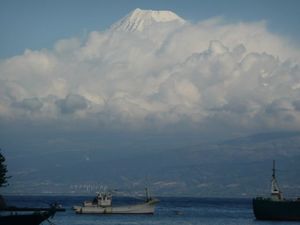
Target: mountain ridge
x=138, y=20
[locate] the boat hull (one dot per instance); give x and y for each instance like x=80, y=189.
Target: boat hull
x=145, y=208
x=266, y=209
x=26, y=219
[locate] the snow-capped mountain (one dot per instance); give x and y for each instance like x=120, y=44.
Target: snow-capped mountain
x=140, y=19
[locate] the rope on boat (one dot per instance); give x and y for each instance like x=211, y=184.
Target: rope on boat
x=50, y=222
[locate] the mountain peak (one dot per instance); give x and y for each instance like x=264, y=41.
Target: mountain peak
x=139, y=19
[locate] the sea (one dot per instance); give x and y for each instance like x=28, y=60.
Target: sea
x=169, y=211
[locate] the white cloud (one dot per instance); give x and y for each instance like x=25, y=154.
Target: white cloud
x=212, y=72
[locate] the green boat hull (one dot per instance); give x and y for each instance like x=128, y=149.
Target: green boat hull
x=266, y=209
x=27, y=219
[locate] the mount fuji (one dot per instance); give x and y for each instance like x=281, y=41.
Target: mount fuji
x=139, y=20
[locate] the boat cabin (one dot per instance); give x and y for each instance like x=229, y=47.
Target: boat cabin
x=103, y=199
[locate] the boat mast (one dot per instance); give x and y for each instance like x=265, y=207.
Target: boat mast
x=275, y=191
x=148, y=198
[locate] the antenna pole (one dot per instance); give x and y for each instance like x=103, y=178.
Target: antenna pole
x=273, y=175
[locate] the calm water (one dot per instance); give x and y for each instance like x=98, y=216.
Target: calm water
x=170, y=211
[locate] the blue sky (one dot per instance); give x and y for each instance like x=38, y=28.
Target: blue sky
x=223, y=83
x=37, y=24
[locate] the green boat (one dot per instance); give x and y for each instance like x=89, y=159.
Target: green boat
x=276, y=207
x=27, y=216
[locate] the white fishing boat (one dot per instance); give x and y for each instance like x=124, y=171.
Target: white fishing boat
x=102, y=204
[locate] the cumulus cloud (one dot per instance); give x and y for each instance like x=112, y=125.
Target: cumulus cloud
x=31, y=104
x=71, y=103
x=212, y=72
